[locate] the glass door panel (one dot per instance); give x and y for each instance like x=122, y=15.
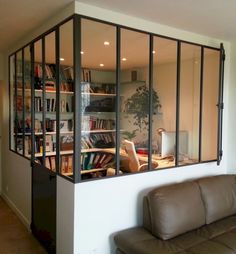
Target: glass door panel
x=189, y=107
x=38, y=102
x=66, y=99
x=164, y=101
x=98, y=86
x=27, y=101
x=13, y=129
x=134, y=110
x=50, y=102
x=210, y=100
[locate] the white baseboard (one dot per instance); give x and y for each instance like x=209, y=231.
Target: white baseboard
x=18, y=213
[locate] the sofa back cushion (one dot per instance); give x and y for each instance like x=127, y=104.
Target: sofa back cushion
x=174, y=210
x=219, y=196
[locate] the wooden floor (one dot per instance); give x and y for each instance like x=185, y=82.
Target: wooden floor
x=14, y=237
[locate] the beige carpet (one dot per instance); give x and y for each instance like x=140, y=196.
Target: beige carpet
x=14, y=237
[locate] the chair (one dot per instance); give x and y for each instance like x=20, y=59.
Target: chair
x=133, y=160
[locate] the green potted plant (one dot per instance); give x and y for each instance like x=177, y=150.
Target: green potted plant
x=137, y=106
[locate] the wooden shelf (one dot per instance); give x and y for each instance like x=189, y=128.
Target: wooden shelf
x=47, y=133
x=37, y=155
x=92, y=170
x=98, y=131
x=47, y=91
x=100, y=94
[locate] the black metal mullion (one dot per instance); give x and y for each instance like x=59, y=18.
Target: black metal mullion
x=58, y=116
x=220, y=104
x=77, y=98
x=150, y=102
x=23, y=99
x=201, y=106
x=177, y=103
x=10, y=102
x=43, y=101
x=118, y=68
x=32, y=105
x=16, y=120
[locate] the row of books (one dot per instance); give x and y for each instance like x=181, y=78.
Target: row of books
x=88, y=87
x=94, y=123
x=50, y=163
x=98, y=140
x=50, y=142
x=66, y=72
x=67, y=164
x=95, y=160
x=51, y=105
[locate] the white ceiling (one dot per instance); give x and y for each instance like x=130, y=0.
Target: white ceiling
x=19, y=17
x=215, y=18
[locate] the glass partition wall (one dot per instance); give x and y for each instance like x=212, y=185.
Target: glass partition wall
x=91, y=99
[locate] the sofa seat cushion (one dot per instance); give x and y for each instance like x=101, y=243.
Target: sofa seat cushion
x=175, y=209
x=220, y=235
x=210, y=247
x=228, y=239
x=219, y=196
x=218, y=228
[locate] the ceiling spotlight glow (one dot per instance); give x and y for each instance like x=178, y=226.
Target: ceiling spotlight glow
x=81, y=52
x=106, y=43
x=124, y=59
x=62, y=59
x=153, y=52
x=101, y=65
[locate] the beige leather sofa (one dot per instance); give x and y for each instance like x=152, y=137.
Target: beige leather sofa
x=196, y=217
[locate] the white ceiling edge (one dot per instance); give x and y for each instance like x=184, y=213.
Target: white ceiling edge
x=45, y=26
x=145, y=25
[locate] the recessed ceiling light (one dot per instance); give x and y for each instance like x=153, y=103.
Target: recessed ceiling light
x=101, y=65
x=81, y=52
x=62, y=59
x=153, y=52
x=124, y=59
x=106, y=43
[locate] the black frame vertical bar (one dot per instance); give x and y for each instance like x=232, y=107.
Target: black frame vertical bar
x=15, y=103
x=220, y=104
x=177, y=103
x=58, y=99
x=43, y=101
x=10, y=102
x=23, y=99
x=150, y=102
x=32, y=106
x=118, y=68
x=77, y=97
x=201, y=105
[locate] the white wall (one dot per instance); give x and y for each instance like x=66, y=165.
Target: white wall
x=106, y=206
x=16, y=170
x=231, y=106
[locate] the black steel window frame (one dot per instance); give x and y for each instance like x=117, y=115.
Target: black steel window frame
x=77, y=94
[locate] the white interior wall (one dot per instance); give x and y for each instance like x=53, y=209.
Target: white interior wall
x=16, y=173
x=107, y=206
x=231, y=106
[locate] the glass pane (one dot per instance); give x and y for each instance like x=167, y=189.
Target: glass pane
x=19, y=102
x=50, y=92
x=210, y=100
x=164, y=101
x=13, y=130
x=98, y=87
x=38, y=101
x=66, y=99
x=27, y=107
x=134, y=108
x=189, y=104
